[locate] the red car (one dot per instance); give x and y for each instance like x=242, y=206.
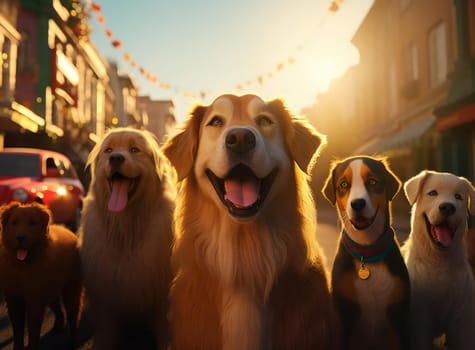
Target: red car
x=47, y=177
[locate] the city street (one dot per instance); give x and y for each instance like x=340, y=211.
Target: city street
x=327, y=236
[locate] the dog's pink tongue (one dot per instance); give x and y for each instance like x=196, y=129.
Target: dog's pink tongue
x=443, y=234
x=21, y=254
x=241, y=194
x=119, y=195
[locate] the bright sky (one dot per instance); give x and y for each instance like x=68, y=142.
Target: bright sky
x=213, y=46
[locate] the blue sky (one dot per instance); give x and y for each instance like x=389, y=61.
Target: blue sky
x=213, y=46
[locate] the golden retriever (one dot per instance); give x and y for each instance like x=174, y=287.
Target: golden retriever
x=249, y=273
x=442, y=284
x=126, y=236
x=39, y=266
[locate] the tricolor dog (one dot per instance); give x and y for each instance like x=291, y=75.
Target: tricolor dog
x=370, y=281
x=442, y=284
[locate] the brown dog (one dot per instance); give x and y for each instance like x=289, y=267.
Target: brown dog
x=249, y=273
x=369, y=278
x=39, y=266
x=126, y=237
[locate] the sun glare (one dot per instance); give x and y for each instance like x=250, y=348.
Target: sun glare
x=324, y=72
x=333, y=65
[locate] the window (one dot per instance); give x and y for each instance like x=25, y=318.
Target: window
x=410, y=86
x=411, y=63
x=18, y=164
x=437, y=55
x=6, y=69
x=24, y=53
x=392, y=98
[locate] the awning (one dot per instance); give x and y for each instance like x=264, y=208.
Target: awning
x=403, y=138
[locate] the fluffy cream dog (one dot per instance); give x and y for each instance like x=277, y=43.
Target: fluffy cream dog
x=442, y=284
x=126, y=236
x=249, y=272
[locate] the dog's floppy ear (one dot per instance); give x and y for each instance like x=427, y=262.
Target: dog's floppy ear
x=471, y=195
x=303, y=141
x=413, y=185
x=6, y=212
x=393, y=184
x=181, y=148
x=306, y=144
x=161, y=163
x=329, y=191
x=91, y=158
x=44, y=214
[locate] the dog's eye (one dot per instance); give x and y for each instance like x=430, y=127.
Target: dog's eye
x=108, y=150
x=264, y=120
x=216, y=121
x=372, y=182
x=134, y=150
x=458, y=197
x=433, y=193
x=344, y=185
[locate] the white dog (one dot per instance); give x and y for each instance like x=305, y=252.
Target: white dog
x=442, y=284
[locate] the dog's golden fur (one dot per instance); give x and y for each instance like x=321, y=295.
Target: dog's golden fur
x=256, y=281
x=125, y=249
x=442, y=284
x=39, y=266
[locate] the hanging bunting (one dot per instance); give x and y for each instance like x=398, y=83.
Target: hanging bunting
x=96, y=7
x=116, y=43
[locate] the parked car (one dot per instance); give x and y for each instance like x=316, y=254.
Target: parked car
x=47, y=177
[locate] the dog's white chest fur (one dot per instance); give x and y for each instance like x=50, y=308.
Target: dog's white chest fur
x=373, y=295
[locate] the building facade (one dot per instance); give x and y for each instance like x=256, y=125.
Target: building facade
x=407, y=50
x=159, y=114
x=12, y=115
x=60, y=77
x=56, y=90
x=456, y=114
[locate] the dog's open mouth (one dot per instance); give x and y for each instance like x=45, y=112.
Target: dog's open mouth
x=242, y=192
x=362, y=223
x=21, y=254
x=442, y=234
x=121, y=188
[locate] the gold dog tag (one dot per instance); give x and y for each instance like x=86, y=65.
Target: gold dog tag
x=363, y=272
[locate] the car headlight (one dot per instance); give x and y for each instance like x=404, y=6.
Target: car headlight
x=61, y=191
x=20, y=195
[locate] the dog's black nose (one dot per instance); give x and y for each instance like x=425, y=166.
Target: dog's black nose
x=240, y=140
x=116, y=159
x=358, y=204
x=447, y=209
x=20, y=237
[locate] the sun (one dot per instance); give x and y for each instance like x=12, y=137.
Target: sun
x=332, y=64
x=325, y=71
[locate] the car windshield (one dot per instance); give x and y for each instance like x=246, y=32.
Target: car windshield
x=18, y=165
